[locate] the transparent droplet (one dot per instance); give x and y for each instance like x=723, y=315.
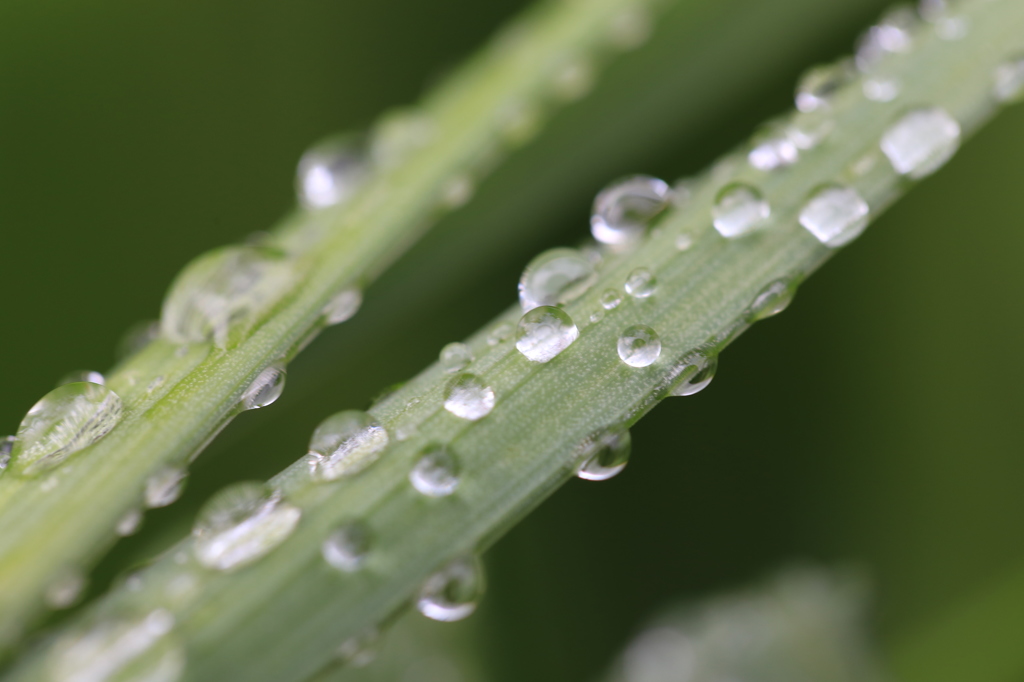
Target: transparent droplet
x=398, y=135
x=835, y=215
x=623, y=209
x=501, y=333
x=331, y=171
x=738, y=209
x=610, y=299
x=807, y=131
x=1009, y=80
x=67, y=420
x=65, y=591
x=165, y=487
x=774, y=153
x=573, y=80
x=347, y=547
x=223, y=294
x=453, y=592
x=639, y=346
x=6, y=447
x=468, y=397
x=346, y=443
x=129, y=523
x=86, y=375
x=641, y=283
x=921, y=142
x=819, y=85
x=142, y=650
x=361, y=650
x=881, y=89
x=699, y=370
x=771, y=300
x=436, y=473
x=456, y=357
x=240, y=524
x=891, y=35
x=545, y=332
x=265, y=389
x=604, y=454
x=555, y=276
x=343, y=306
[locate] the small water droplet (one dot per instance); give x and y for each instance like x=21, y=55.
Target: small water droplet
x=738, y=210
x=610, y=299
x=164, y=487
x=453, y=592
x=66, y=420
x=807, y=131
x=456, y=357
x=240, y=524
x=573, y=79
x=699, y=370
x=596, y=316
x=436, y=473
x=1009, y=80
x=774, y=153
x=864, y=164
x=331, y=171
x=346, y=443
x=155, y=383
x=361, y=650
x=343, y=306
x=545, y=332
x=468, y=397
x=129, y=523
x=604, y=454
x=501, y=333
x=891, y=35
x=623, y=209
x=771, y=300
x=819, y=85
x=65, y=591
x=641, y=283
x=835, y=215
x=141, y=650
x=639, y=346
x=881, y=89
x=265, y=389
x=555, y=276
x=86, y=375
x=6, y=446
x=347, y=547
x=683, y=242
x=921, y=141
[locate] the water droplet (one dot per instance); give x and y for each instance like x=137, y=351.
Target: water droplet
x=545, y=332
x=164, y=487
x=6, y=446
x=86, y=375
x=683, y=242
x=555, y=276
x=456, y=357
x=343, y=306
x=361, y=650
x=819, y=85
x=503, y=332
x=223, y=294
x=468, y=397
x=120, y=651
x=699, y=370
x=573, y=80
x=771, y=300
x=604, y=454
x=921, y=142
x=835, y=215
x=453, y=592
x=265, y=389
x=398, y=135
x=346, y=443
x=457, y=191
x=1009, y=80
x=881, y=89
x=739, y=209
x=347, y=547
x=948, y=25
x=65, y=591
x=774, y=153
x=623, y=209
x=240, y=524
x=129, y=523
x=138, y=336
x=641, y=283
x=610, y=299
x=639, y=346
x=596, y=316
x=435, y=474
x=891, y=35
x=67, y=420
x=331, y=171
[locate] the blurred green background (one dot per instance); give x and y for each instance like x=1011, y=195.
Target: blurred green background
x=875, y=423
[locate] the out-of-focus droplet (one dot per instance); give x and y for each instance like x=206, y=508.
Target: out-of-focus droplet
x=819, y=85
x=641, y=283
x=1008, y=79
x=555, y=276
x=456, y=357
x=835, y=215
x=164, y=487
x=436, y=473
x=346, y=443
x=738, y=210
x=610, y=299
x=604, y=454
x=398, y=135
x=771, y=300
x=361, y=650
x=683, y=242
x=630, y=28
x=639, y=346
x=807, y=131
x=468, y=397
x=129, y=523
x=6, y=447
x=573, y=79
x=347, y=547
x=331, y=171
x=623, y=209
x=453, y=592
x=699, y=370
x=920, y=142
x=457, y=191
x=881, y=89
x=891, y=35
x=265, y=389
x=774, y=153
x=65, y=590
x=343, y=306
x=138, y=336
x=86, y=375
x=501, y=333
x=545, y=332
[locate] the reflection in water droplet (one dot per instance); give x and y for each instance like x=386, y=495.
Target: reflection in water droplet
x=771, y=300
x=468, y=397
x=347, y=547
x=639, y=346
x=835, y=215
x=86, y=375
x=453, y=592
x=346, y=443
x=165, y=487
x=343, y=306
x=65, y=590
x=66, y=420
x=819, y=85
x=129, y=523
x=503, y=332
x=331, y=171
x=699, y=370
x=240, y=524
x=739, y=209
x=881, y=89
x=641, y=283
x=456, y=357
x=361, y=650
x=921, y=142
x=555, y=276
x=545, y=332
x=623, y=209
x=265, y=389
x=1009, y=80
x=604, y=454
x=436, y=473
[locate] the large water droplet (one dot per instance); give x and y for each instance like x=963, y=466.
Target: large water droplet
x=738, y=209
x=331, y=171
x=819, y=85
x=545, y=332
x=641, y=283
x=835, y=215
x=346, y=443
x=639, y=346
x=453, y=592
x=65, y=590
x=86, y=375
x=165, y=487
x=604, y=454
x=120, y=651
x=771, y=300
x=347, y=547
x=468, y=397
x=265, y=389
x=555, y=276
x=68, y=419
x=436, y=473
x=1009, y=80
x=223, y=294
x=921, y=142
x=241, y=524
x=456, y=357
x=699, y=370
x=623, y=209
x=343, y=306
x=881, y=89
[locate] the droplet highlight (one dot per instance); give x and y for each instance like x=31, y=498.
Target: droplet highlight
x=604, y=455
x=129, y=523
x=165, y=487
x=774, y=153
x=86, y=375
x=331, y=171
x=265, y=389
x=346, y=443
x=347, y=547
x=639, y=346
x=771, y=300
x=819, y=85
x=881, y=89
x=738, y=210
x=623, y=210
x=555, y=276
x=835, y=215
x=545, y=332
x=66, y=590
x=436, y=473
x=468, y=397
x=343, y=306
x=699, y=370
x=453, y=592
x=921, y=141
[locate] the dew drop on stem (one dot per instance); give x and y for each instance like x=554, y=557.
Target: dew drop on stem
x=436, y=473
x=623, y=209
x=545, y=332
x=453, y=592
x=346, y=443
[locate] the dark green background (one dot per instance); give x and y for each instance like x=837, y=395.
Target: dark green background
x=875, y=422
